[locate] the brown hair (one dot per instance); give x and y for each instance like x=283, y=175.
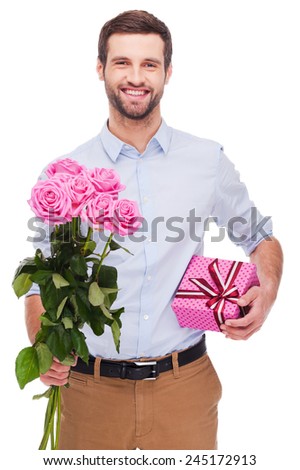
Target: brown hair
x=135, y=22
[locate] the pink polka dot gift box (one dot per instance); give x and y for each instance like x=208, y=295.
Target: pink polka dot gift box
x=209, y=290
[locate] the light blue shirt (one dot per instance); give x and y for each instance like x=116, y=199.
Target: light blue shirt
x=177, y=179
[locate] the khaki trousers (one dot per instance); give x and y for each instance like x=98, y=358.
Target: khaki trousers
x=176, y=411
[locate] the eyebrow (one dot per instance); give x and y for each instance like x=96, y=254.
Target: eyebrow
x=147, y=59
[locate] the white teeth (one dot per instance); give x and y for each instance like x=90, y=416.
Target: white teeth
x=135, y=92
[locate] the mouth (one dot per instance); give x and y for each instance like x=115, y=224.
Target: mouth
x=135, y=93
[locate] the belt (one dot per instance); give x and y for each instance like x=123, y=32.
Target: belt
x=141, y=370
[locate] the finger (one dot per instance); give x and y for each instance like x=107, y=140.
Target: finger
x=75, y=361
x=57, y=366
x=242, y=322
x=241, y=335
x=58, y=361
x=58, y=373
x=53, y=377
x=248, y=297
x=53, y=381
x=243, y=326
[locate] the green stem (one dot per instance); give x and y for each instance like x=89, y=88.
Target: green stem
x=58, y=418
x=74, y=228
x=104, y=254
x=49, y=419
x=88, y=237
x=52, y=437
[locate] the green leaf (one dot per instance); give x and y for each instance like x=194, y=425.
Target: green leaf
x=116, y=332
x=69, y=277
x=108, y=280
x=117, y=313
x=51, y=298
x=90, y=247
x=79, y=344
x=61, y=307
x=22, y=284
x=42, y=334
x=78, y=265
x=75, y=305
x=106, y=290
x=41, y=277
x=110, y=296
x=69, y=360
x=94, y=260
x=106, y=312
x=46, y=394
x=108, y=277
x=45, y=357
x=27, y=366
x=45, y=321
x=115, y=246
x=59, y=341
x=67, y=322
x=97, y=321
x=96, y=296
x=40, y=260
x=63, y=256
x=26, y=266
x=59, y=281
x=83, y=305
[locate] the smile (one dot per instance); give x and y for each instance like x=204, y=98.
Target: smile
x=135, y=93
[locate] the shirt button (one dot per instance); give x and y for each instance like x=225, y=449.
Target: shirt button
x=149, y=278
x=149, y=240
x=145, y=199
x=146, y=317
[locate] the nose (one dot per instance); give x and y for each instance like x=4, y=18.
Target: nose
x=135, y=76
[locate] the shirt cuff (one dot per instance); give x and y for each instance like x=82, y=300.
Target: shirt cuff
x=250, y=247
x=34, y=290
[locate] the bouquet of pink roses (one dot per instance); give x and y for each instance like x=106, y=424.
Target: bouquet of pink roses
x=75, y=286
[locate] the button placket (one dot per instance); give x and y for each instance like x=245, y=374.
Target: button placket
x=147, y=297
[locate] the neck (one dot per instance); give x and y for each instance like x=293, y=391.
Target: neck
x=132, y=132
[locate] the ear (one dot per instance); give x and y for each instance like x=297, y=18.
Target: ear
x=100, y=70
x=168, y=74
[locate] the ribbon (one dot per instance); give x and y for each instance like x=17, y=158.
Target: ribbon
x=224, y=291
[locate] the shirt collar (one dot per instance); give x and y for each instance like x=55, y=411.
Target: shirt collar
x=113, y=145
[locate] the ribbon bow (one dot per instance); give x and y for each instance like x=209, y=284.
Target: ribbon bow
x=225, y=290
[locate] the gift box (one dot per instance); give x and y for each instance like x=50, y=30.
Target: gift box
x=209, y=290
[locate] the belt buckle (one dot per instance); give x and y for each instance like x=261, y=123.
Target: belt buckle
x=154, y=370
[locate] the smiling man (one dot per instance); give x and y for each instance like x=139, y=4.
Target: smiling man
x=134, y=83
x=161, y=390
x=135, y=69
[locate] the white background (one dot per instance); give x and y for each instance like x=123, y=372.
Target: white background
x=236, y=80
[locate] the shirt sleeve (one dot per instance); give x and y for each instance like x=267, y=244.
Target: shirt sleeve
x=233, y=209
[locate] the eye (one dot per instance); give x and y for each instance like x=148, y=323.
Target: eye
x=121, y=62
x=150, y=65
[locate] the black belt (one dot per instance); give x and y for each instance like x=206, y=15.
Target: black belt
x=141, y=370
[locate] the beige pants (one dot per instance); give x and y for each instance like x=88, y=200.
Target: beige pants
x=176, y=411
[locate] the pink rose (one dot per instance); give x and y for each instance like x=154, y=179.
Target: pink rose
x=80, y=191
x=124, y=217
x=106, y=180
x=50, y=202
x=97, y=210
x=66, y=165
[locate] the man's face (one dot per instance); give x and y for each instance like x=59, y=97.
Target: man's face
x=134, y=74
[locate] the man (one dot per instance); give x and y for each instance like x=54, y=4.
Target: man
x=176, y=178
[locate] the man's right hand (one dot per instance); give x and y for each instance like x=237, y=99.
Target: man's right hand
x=58, y=374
